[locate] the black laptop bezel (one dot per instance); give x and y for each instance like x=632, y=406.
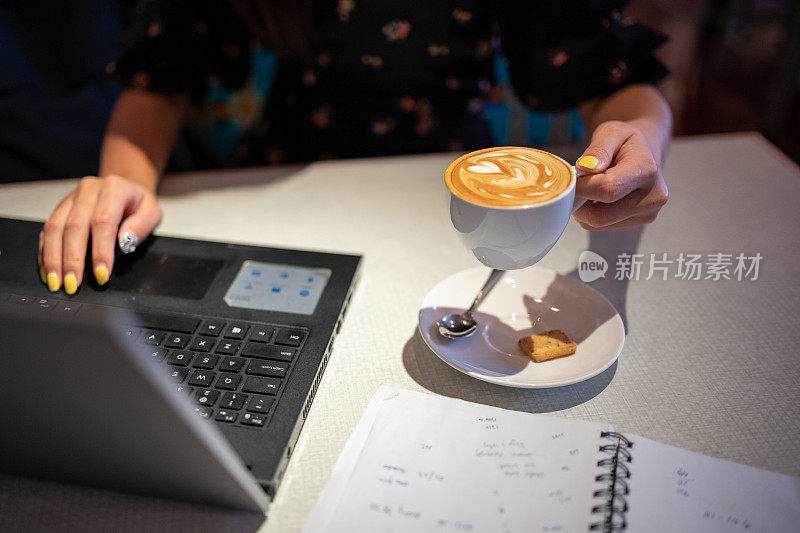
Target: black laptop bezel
x=264, y=450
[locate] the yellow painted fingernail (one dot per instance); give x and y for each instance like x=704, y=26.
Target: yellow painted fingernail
x=588, y=161
x=53, y=282
x=70, y=283
x=101, y=274
x=43, y=274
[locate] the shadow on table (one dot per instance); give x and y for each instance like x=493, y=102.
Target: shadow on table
x=28, y=504
x=609, y=245
x=180, y=184
x=432, y=373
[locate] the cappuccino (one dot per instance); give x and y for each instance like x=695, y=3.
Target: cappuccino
x=511, y=177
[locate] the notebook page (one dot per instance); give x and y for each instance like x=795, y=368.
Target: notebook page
x=678, y=490
x=432, y=463
x=328, y=500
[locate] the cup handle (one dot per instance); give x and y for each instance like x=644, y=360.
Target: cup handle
x=578, y=202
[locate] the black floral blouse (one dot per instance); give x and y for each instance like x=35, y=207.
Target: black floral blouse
x=393, y=76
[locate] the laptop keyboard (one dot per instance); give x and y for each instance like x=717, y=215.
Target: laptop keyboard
x=232, y=371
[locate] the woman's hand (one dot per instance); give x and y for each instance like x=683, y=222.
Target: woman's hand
x=632, y=128
x=624, y=180
x=110, y=209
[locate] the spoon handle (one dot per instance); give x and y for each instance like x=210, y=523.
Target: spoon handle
x=494, y=277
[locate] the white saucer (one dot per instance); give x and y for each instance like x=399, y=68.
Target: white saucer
x=524, y=302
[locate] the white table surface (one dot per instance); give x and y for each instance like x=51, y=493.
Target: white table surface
x=710, y=366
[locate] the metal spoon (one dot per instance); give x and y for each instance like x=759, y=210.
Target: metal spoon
x=463, y=324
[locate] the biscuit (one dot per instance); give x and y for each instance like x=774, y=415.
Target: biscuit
x=548, y=345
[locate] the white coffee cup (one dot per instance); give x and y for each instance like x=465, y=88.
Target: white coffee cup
x=510, y=238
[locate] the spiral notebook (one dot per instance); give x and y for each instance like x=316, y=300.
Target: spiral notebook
x=420, y=462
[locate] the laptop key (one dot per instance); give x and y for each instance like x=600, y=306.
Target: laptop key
x=68, y=308
x=227, y=347
x=156, y=354
x=233, y=400
x=236, y=331
x=268, y=351
x=131, y=332
x=261, y=367
x=204, y=412
x=231, y=364
x=254, y=419
x=185, y=390
x=259, y=404
x=206, y=397
x=151, y=337
x=262, y=385
x=21, y=300
x=228, y=381
x=179, y=374
x=179, y=358
x=176, y=340
x=202, y=378
x=290, y=337
x=206, y=361
x=261, y=333
x=226, y=416
x=45, y=303
x=212, y=327
x=201, y=344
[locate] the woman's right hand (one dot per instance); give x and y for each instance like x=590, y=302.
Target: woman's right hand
x=111, y=209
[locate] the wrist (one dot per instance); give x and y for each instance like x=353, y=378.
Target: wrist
x=145, y=182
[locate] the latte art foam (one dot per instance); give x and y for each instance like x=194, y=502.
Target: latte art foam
x=508, y=177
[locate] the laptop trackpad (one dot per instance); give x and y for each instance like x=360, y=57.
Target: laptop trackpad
x=166, y=275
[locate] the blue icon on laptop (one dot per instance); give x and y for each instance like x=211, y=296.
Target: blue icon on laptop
x=304, y=293
x=256, y=273
x=276, y=289
x=284, y=275
x=248, y=287
x=311, y=280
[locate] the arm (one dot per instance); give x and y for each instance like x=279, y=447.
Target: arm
x=563, y=54
x=141, y=133
x=118, y=204
x=173, y=48
x=631, y=131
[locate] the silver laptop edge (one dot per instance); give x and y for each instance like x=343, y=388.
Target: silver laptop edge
x=81, y=406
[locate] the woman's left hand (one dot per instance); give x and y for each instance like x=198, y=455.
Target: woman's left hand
x=624, y=182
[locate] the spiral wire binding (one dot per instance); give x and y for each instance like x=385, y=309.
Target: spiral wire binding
x=615, y=504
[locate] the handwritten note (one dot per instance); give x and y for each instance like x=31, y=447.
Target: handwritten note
x=420, y=462
x=430, y=463
x=688, y=491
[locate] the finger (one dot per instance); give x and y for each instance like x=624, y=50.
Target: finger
x=40, y=259
x=112, y=200
x=52, y=244
x=629, y=223
x=607, y=138
x=600, y=215
x=76, y=233
x=633, y=168
x=139, y=224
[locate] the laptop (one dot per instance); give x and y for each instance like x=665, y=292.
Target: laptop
x=189, y=375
